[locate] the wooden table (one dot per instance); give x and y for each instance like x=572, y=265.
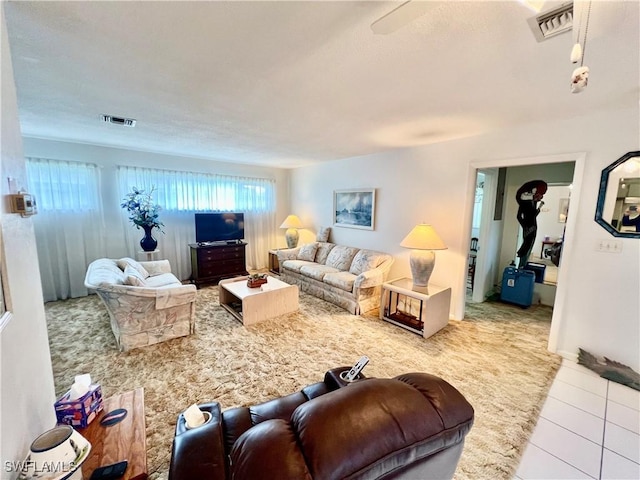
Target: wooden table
x=253, y=305
x=125, y=440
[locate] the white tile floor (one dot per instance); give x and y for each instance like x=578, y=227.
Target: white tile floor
x=589, y=427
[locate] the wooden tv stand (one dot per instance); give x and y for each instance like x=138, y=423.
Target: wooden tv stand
x=212, y=262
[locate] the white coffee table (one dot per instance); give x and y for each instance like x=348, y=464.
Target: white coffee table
x=253, y=305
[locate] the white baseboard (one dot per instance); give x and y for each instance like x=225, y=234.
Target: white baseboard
x=568, y=355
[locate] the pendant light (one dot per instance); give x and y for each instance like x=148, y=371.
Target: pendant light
x=580, y=76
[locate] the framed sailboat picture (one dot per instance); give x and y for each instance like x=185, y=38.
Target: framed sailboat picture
x=354, y=208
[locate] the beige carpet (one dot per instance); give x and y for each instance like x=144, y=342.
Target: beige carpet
x=496, y=357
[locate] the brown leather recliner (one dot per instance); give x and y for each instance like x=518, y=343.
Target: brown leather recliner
x=411, y=426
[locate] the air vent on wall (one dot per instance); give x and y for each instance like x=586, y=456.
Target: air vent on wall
x=127, y=122
x=552, y=22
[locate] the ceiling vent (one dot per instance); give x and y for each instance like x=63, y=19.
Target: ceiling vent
x=126, y=122
x=552, y=22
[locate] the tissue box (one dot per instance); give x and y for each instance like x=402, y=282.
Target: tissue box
x=81, y=411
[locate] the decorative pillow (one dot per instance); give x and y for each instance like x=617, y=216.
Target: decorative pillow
x=323, y=234
x=323, y=252
x=308, y=252
x=341, y=257
x=123, y=262
x=365, y=260
x=133, y=277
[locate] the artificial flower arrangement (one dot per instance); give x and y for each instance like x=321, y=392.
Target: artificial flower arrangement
x=256, y=279
x=143, y=212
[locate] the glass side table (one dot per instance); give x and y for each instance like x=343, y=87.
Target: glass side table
x=421, y=310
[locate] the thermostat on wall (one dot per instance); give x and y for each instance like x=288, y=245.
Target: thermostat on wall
x=24, y=204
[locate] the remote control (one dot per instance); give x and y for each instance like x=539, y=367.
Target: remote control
x=357, y=368
x=110, y=472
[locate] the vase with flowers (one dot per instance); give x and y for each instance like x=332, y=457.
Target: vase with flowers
x=143, y=213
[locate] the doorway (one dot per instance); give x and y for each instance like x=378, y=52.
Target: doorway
x=502, y=236
x=490, y=265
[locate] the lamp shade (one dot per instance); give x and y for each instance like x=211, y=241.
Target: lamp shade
x=292, y=221
x=423, y=237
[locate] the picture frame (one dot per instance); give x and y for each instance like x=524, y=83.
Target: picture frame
x=563, y=210
x=354, y=208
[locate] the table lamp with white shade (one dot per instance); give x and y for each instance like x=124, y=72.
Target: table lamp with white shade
x=422, y=241
x=292, y=223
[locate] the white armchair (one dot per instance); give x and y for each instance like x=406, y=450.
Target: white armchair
x=146, y=303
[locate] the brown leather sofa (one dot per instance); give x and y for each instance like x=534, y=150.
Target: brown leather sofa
x=412, y=426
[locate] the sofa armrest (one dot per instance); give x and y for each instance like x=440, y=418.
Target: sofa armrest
x=374, y=277
x=199, y=452
x=115, y=290
x=156, y=267
x=164, y=297
x=172, y=296
x=287, y=254
x=453, y=408
x=370, y=278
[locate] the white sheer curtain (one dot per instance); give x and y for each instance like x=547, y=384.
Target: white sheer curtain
x=181, y=194
x=69, y=226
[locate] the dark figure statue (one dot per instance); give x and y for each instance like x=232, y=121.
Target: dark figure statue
x=529, y=198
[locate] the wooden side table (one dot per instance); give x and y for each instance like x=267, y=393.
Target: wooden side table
x=421, y=310
x=125, y=440
x=544, y=244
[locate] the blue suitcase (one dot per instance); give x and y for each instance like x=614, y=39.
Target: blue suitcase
x=517, y=286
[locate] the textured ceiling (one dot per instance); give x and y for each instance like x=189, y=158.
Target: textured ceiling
x=291, y=83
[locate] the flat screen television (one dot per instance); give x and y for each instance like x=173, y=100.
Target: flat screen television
x=219, y=227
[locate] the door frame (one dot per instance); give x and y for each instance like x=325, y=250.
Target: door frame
x=570, y=232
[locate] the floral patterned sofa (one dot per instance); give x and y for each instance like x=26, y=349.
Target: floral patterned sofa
x=147, y=304
x=345, y=276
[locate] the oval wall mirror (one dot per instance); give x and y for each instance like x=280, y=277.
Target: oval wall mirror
x=618, y=208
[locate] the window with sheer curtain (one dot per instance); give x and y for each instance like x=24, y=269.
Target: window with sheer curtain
x=69, y=227
x=73, y=227
x=181, y=194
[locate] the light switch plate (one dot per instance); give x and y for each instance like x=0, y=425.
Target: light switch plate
x=609, y=246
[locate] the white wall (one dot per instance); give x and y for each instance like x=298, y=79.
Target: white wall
x=26, y=378
x=434, y=184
